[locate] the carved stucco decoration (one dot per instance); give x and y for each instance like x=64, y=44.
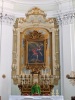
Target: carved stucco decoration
x=35, y=23
x=66, y=18
x=6, y=18
x=36, y=11
x=35, y=17
x=35, y=35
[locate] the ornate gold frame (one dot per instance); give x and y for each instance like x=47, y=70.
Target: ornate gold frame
x=35, y=36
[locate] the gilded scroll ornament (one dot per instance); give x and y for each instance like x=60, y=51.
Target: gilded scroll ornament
x=35, y=11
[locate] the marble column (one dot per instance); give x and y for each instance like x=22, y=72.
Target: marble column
x=67, y=48
x=6, y=36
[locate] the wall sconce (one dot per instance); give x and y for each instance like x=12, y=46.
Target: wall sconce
x=3, y=76
x=71, y=77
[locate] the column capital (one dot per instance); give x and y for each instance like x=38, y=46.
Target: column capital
x=65, y=18
x=6, y=18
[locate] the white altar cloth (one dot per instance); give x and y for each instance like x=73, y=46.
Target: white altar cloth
x=36, y=98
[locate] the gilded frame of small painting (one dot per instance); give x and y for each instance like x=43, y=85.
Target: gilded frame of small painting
x=35, y=51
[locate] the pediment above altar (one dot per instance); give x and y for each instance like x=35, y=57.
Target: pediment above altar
x=35, y=17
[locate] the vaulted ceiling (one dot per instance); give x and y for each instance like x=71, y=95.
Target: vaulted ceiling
x=22, y=6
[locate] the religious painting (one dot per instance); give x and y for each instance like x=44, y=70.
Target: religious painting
x=36, y=52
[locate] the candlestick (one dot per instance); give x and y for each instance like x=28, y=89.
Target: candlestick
x=52, y=92
x=57, y=93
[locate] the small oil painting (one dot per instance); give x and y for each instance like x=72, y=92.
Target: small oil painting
x=36, y=52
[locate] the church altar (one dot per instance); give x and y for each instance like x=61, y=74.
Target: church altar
x=36, y=97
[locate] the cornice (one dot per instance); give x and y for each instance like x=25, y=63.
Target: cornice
x=62, y=18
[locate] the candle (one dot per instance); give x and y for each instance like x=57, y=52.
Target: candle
x=57, y=93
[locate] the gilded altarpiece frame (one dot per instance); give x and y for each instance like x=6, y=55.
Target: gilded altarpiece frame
x=39, y=32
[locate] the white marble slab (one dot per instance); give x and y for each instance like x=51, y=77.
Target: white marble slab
x=36, y=98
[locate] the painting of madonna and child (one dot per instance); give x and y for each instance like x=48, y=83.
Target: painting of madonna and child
x=36, y=52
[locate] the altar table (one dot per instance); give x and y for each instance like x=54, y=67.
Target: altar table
x=36, y=98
